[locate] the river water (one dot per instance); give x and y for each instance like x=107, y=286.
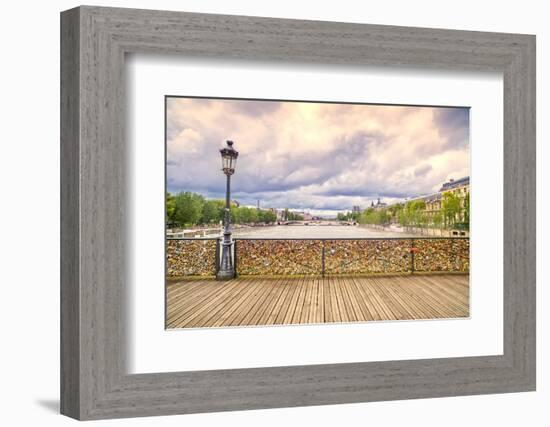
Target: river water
x=315, y=232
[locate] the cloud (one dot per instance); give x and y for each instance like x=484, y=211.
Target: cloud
x=314, y=155
x=453, y=125
x=254, y=109
x=422, y=170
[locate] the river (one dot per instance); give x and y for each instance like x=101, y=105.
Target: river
x=314, y=232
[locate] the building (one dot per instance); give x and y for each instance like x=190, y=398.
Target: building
x=454, y=185
x=280, y=213
x=459, y=187
x=356, y=209
x=378, y=204
x=434, y=201
x=305, y=215
x=433, y=204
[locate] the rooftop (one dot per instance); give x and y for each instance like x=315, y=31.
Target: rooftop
x=454, y=183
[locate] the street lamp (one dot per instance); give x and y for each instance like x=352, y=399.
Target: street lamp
x=229, y=160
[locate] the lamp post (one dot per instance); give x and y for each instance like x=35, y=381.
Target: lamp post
x=229, y=160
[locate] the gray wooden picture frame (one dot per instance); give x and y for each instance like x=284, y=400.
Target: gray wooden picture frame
x=94, y=381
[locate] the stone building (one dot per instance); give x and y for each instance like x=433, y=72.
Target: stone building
x=459, y=187
x=378, y=205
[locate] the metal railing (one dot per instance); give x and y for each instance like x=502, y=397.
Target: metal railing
x=326, y=256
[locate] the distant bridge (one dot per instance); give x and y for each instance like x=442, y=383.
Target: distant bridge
x=317, y=223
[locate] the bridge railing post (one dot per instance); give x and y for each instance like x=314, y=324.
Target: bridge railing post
x=413, y=250
x=323, y=259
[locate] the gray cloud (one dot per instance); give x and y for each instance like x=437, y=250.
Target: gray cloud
x=453, y=125
x=254, y=108
x=422, y=170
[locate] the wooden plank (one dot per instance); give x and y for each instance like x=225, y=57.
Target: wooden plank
x=255, y=303
x=278, y=303
x=416, y=299
x=190, y=304
x=453, y=299
x=449, y=287
x=352, y=305
x=248, y=303
x=335, y=314
x=194, y=301
x=223, y=307
x=448, y=303
x=285, y=303
x=327, y=306
x=197, y=293
x=367, y=312
x=176, y=290
x=396, y=293
x=353, y=297
x=381, y=307
x=417, y=310
x=299, y=302
x=315, y=308
x=292, y=305
x=364, y=296
x=458, y=283
x=340, y=301
x=229, y=317
x=191, y=293
x=320, y=313
x=417, y=293
x=190, y=319
x=382, y=286
x=308, y=295
x=307, y=300
x=269, y=302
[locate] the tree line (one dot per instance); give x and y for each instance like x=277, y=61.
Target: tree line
x=187, y=209
x=454, y=213
x=292, y=216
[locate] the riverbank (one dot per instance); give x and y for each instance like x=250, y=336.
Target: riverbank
x=418, y=231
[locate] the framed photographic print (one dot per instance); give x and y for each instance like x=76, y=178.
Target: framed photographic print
x=262, y=213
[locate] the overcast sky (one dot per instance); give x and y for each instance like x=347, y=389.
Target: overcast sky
x=314, y=156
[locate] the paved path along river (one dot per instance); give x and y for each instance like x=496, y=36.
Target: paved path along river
x=314, y=232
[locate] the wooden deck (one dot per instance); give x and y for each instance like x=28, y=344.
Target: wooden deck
x=246, y=302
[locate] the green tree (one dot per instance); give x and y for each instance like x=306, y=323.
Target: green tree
x=297, y=216
x=404, y=217
x=248, y=215
x=266, y=216
x=369, y=216
x=450, y=206
x=211, y=212
x=437, y=219
x=170, y=207
x=383, y=217
x=270, y=217
x=236, y=215
x=354, y=216
x=394, y=211
x=413, y=214
x=188, y=208
x=466, y=210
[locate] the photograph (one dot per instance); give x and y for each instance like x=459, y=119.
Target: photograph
x=285, y=212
